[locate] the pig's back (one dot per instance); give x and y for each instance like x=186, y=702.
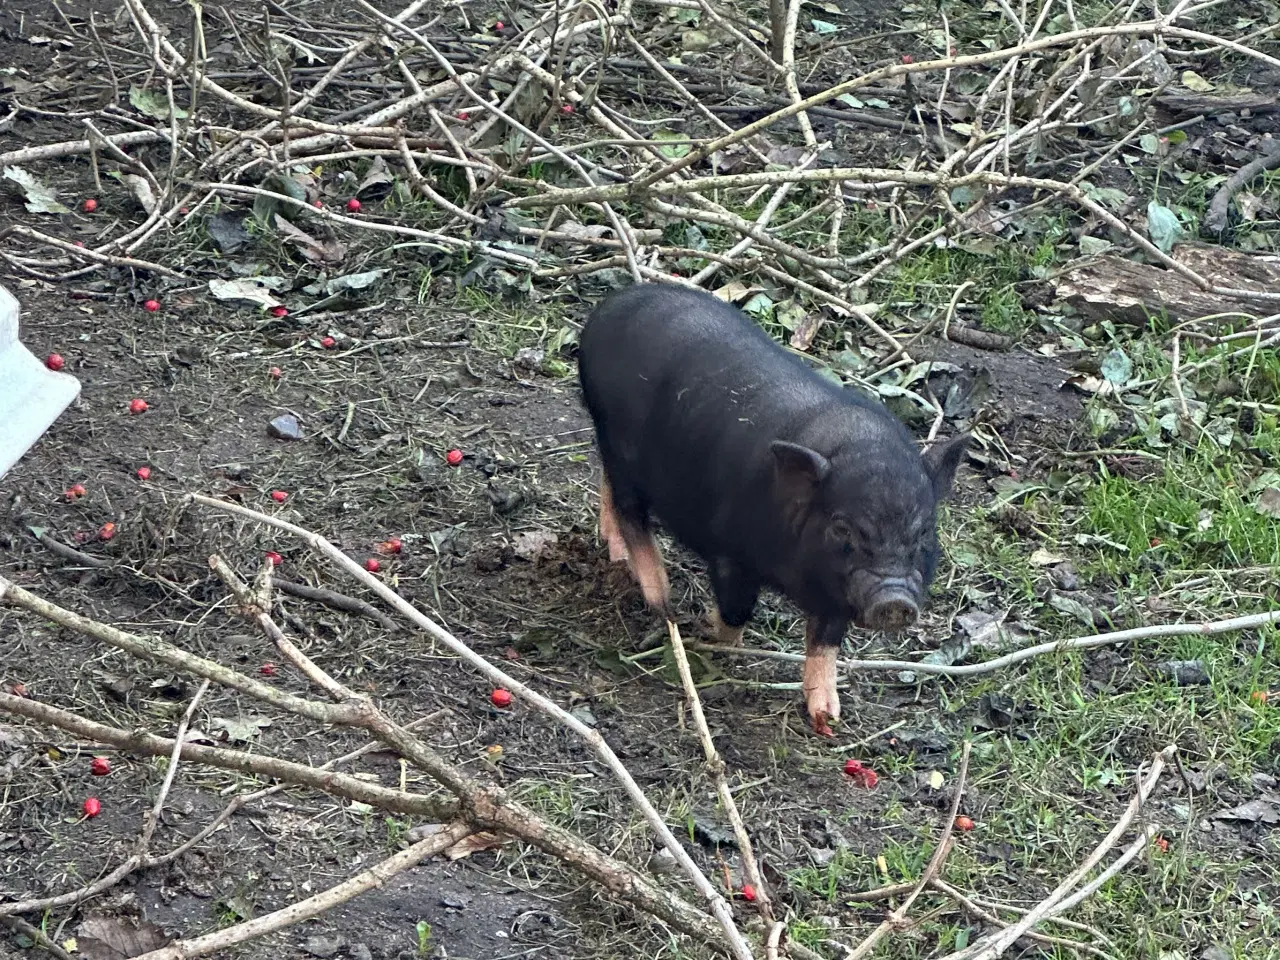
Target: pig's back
x=656, y=346
x=687, y=393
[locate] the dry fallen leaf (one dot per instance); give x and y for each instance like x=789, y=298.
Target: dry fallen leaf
x=476, y=843
x=806, y=330
x=117, y=938
x=318, y=251
x=532, y=544
x=141, y=190
x=1043, y=558
x=735, y=291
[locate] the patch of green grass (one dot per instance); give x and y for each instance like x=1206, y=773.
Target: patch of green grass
x=808, y=934
x=552, y=798
x=1201, y=512
x=845, y=873
x=931, y=276
x=397, y=831
x=506, y=329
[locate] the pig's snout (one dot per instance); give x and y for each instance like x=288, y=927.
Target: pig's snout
x=893, y=607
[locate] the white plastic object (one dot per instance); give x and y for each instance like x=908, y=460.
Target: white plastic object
x=31, y=395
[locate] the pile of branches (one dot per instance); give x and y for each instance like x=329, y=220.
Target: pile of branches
x=570, y=139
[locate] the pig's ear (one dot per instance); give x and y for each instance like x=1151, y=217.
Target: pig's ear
x=798, y=470
x=943, y=460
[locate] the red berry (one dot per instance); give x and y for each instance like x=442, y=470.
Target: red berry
x=354, y=205
x=275, y=558
x=107, y=531
x=276, y=373
x=100, y=766
x=90, y=205
x=319, y=205
x=373, y=564
x=268, y=669
x=144, y=473
x=184, y=211
x=55, y=361
x=748, y=892
x=279, y=496
x=853, y=767
x=964, y=823
x=1163, y=844
x=79, y=243
x=393, y=545
x=92, y=807
x=499, y=25
x=870, y=778
x=328, y=343
x=19, y=689
x=138, y=406
x=1156, y=541
x=501, y=698
x=151, y=306
x=76, y=491
x=908, y=58
x=567, y=108
x=454, y=457
x=464, y=116
x=1260, y=696
x=280, y=311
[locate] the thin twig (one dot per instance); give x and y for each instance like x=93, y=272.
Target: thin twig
x=716, y=766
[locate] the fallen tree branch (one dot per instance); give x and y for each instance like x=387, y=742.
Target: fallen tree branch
x=338, y=601
x=1235, y=624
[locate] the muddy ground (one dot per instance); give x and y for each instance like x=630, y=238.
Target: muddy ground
x=419, y=370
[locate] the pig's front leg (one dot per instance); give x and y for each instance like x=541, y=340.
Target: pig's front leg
x=822, y=639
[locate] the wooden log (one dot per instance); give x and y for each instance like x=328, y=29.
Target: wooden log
x=1124, y=291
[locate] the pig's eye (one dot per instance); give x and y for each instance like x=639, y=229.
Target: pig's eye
x=841, y=533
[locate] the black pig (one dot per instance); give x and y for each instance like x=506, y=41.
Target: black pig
x=774, y=475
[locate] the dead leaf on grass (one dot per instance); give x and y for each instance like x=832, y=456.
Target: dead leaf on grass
x=253, y=289
x=241, y=729
x=1269, y=502
x=37, y=197
x=735, y=291
x=1266, y=809
x=807, y=325
x=1043, y=558
x=117, y=938
x=318, y=251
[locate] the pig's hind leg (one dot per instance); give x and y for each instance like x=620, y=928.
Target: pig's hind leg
x=624, y=524
x=736, y=596
x=610, y=532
